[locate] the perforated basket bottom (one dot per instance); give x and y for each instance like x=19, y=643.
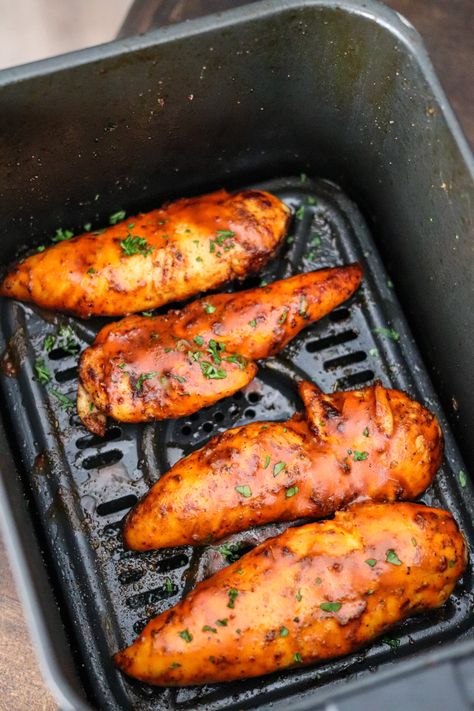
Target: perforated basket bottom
x=81, y=485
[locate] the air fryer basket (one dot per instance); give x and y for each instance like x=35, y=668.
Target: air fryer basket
x=176, y=112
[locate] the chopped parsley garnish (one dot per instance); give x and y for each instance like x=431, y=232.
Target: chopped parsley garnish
x=318, y=581
x=253, y=323
x=413, y=540
x=41, y=248
x=148, y=314
x=199, y=340
x=284, y=631
x=135, y=245
x=267, y=461
x=222, y=623
x=373, y=352
x=244, y=490
x=311, y=200
x=291, y=491
x=392, y=557
x=451, y=563
x=64, y=401
x=49, y=341
x=222, y=235
x=230, y=551
x=209, y=308
x=131, y=225
x=87, y=227
x=297, y=657
x=366, y=432
x=184, y=634
x=211, y=371
x=238, y=359
x=91, y=270
x=215, y=349
x=330, y=606
x=389, y=332
x=278, y=467
x=117, y=217
x=282, y=318
x=232, y=596
x=179, y=378
x=298, y=595
x=392, y=642
x=220, y=240
x=372, y=562
x=62, y=235
x=208, y=628
x=462, y=478
x=303, y=177
x=360, y=456
x=143, y=377
x=67, y=340
x=42, y=373
x=168, y=585
x=300, y=212
x=174, y=665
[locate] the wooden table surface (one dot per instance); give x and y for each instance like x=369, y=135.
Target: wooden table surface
x=446, y=26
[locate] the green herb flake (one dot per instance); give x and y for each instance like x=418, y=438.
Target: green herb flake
x=366, y=432
x=148, y=314
x=360, y=456
x=87, y=227
x=63, y=400
x=179, y=378
x=208, y=628
x=414, y=542
x=91, y=270
x=451, y=563
x=41, y=248
x=143, y=377
x=117, y=217
x=297, y=657
x=253, y=323
x=278, y=467
x=215, y=349
x=168, y=585
x=284, y=631
x=185, y=634
x=291, y=491
x=49, y=341
x=330, y=606
x=199, y=340
x=303, y=177
x=372, y=562
x=91, y=407
x=222, y=623
x=311, y=200
x=299, y=213
x=389, y=333
x=209, y=308
x=174, y=665
x=318, y=581
x=42, y=373
x=462, y=478
x=233, y=592
x=392, y=642
x=392, y=557
x=199, y=259
x=283, y=316
x=244, y=491
x=238, y=359
x=267, y=462
x=211, y=372
x=62, y=235
x=132, y=245
x=230, y=552
x=373, y=352
x=298, y=595
x=131, y=225
x=370, y=592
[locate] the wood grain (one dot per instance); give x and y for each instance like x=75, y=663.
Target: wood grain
x=446, y=27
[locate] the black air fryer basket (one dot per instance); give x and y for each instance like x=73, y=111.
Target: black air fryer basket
x=333, y=107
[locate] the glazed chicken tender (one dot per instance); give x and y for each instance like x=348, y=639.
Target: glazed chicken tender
x=372, y=443
x=151, y=259
x=315, y=592
x=172, y=365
